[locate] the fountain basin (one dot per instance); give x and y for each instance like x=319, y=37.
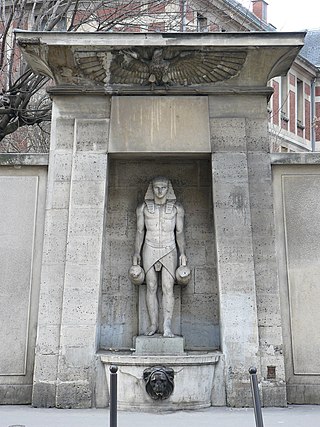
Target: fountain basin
x=193, y=379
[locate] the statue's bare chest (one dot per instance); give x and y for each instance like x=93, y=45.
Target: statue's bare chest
x=160, y=220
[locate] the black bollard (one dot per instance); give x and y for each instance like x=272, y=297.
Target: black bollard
x=256, y=397
x=113, y=395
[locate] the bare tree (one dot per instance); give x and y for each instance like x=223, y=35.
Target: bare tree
x=23, y=99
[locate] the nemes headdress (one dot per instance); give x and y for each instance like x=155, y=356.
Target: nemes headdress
x=149, y=196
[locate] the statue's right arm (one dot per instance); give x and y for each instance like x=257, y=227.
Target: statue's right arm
x=139, y=235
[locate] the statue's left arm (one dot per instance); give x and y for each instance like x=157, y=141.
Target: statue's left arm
x=180, y=236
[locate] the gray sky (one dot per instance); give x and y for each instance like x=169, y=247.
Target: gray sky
x=291, y=15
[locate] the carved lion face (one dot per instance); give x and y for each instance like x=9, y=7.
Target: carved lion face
x=159, y=382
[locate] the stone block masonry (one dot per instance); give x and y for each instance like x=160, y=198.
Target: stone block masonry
x=210, y=137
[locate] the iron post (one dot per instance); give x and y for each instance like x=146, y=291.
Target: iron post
x=113, y=395
x=256, y=397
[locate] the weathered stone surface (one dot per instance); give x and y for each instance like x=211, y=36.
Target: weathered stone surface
x=18, y=195
x=22, y=202
x=300, y=216
x=158, y=345
x=63, y=134
x=15, y=394
x=238, y=315
x=159, y=124
x=189, y=392
x=46, y=368
x=242, y=107
x=69, y=298
x=24, y=159
x=262, y=62
x=266, y=277
x=75, y=394
x=92, y=135
x=44, y=394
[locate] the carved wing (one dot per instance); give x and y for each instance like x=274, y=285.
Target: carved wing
x=130, y=66
x=133, y=66
x=93, y=65
x=205, y=67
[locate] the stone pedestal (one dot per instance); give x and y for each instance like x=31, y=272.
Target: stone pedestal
x=157, y=344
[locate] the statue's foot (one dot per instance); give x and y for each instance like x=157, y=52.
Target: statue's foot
x=167, y=333
x=151, y=330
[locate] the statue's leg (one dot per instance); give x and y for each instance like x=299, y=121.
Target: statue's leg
x=167, y=302
x=152, y=301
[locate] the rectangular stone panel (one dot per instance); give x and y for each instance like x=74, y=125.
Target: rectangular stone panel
x=301, y=210
x=159, y=124
x=18, y=198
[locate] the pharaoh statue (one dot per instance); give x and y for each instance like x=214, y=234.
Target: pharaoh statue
x=160, y=250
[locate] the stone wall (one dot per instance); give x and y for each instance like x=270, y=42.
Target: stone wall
x=65, y=356
x=297, y=214
x=89, y=234
x=22, y=201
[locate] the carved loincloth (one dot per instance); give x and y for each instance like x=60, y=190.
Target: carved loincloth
x=166, y=257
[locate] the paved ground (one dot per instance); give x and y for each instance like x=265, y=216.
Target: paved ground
x=25, y=416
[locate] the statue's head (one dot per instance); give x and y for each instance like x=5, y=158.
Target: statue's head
x=160, y=191
x=160, y=187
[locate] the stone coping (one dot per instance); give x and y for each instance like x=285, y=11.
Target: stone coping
x=295, y=158
x=253, y=38
x=24, y=159
x=42, y=159
x=187, y=359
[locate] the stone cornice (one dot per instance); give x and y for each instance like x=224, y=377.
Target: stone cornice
x=140, y=90
x=295, y=158
x=173, y=62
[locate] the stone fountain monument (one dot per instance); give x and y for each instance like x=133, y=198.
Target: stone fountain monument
x=146, y=127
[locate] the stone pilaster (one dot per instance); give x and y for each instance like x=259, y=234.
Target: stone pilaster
x=265, y=262
x=71, y=266
x=238, y=315
x=248, y=283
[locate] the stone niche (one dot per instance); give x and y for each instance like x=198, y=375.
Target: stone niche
x=198, y=302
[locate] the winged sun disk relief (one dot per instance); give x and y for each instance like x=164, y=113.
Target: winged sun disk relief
x=162, y=67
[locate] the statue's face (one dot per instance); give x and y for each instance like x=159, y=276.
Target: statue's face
x=160, y=189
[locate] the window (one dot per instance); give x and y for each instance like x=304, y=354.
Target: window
x=284, y=98
x=300, y=103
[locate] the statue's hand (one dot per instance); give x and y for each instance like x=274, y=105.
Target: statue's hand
x=183, y=260
x=136, y=259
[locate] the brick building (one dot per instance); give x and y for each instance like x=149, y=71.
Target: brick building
x=294, y=108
